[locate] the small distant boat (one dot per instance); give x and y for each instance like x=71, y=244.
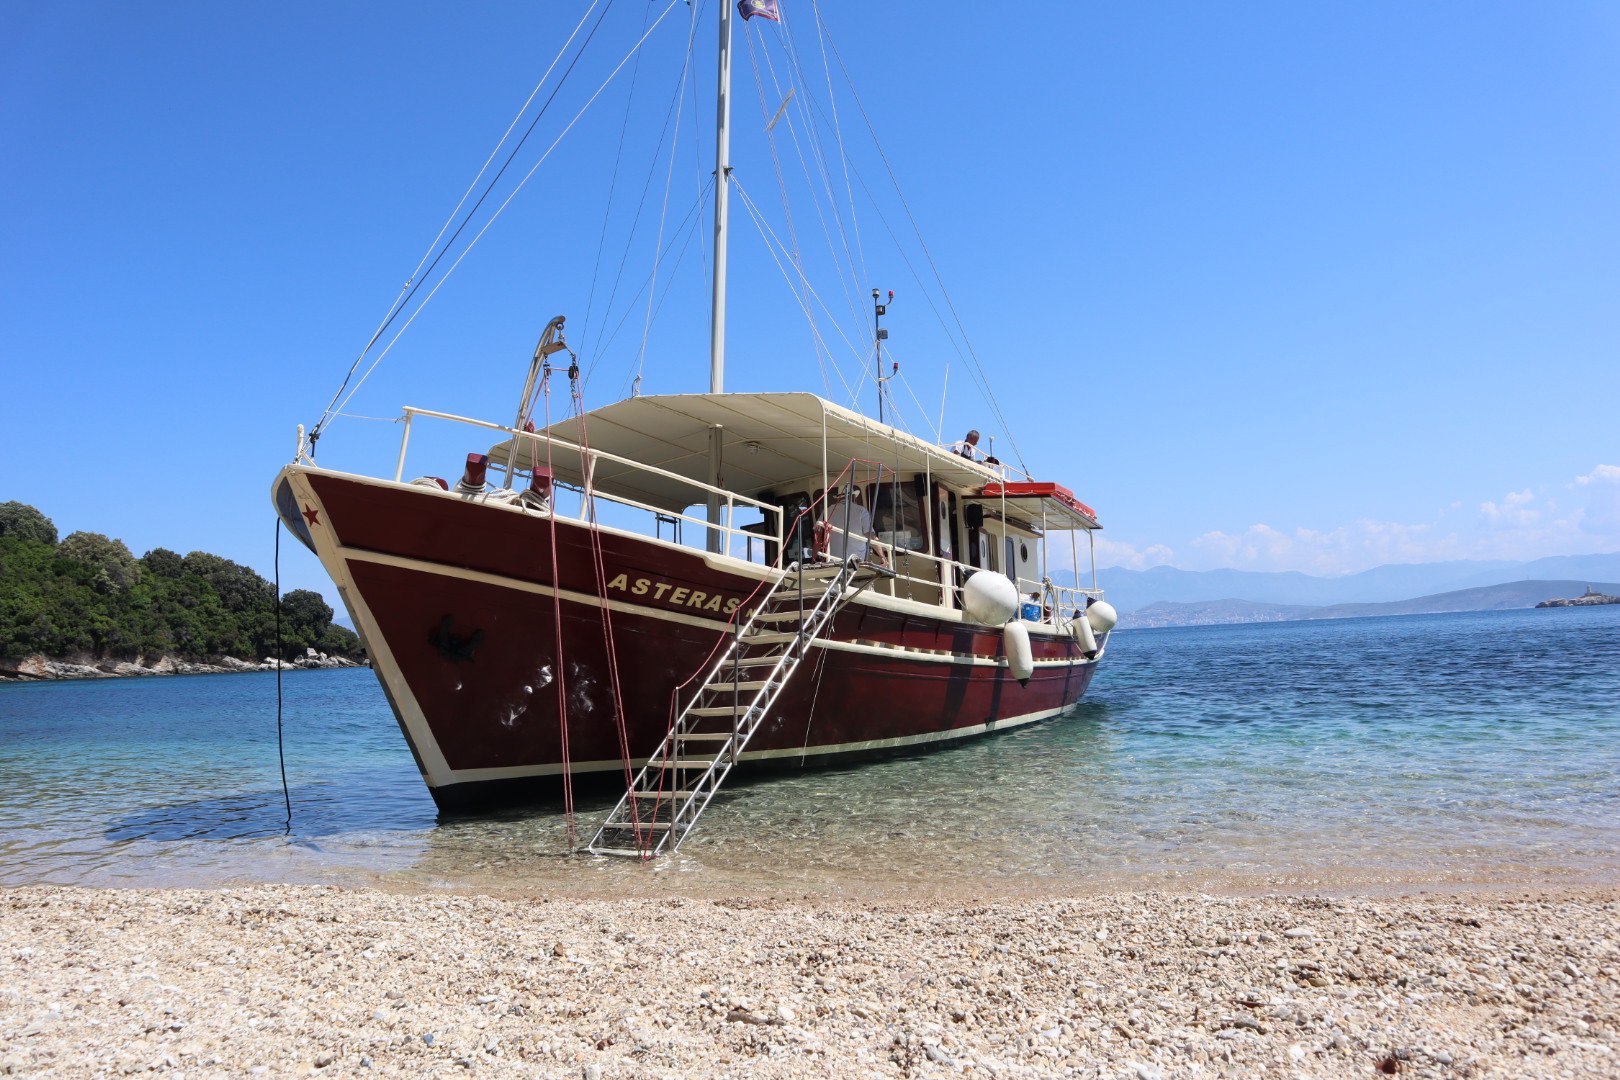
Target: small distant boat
x=850, y=589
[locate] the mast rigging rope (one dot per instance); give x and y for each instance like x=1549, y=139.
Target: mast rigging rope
x=982, y=378
x=507, y=202
x=418, y=276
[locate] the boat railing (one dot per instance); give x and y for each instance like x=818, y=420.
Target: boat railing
x=999, y=467
x=1056, y=601
x=730, y=501
x=919, y=575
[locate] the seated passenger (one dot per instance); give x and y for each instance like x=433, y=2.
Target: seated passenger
x=852, y=532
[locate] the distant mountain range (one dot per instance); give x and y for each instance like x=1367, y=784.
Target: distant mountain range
x=1514, y=594
x=1130, y=590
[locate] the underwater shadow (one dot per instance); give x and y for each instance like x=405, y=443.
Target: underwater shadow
x=319, y=810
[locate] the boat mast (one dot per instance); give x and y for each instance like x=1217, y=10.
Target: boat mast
x=717, y=297
x=722, y=191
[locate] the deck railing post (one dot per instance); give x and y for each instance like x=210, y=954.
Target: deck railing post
x=404, y=441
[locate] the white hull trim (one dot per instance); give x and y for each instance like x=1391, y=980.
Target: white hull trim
x=423, y=566
x=901, y=742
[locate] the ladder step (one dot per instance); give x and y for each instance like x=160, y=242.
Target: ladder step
x=759, y=661
x=780, y=616
x=767, y=639
x=632, y=826
x=688, y=763
x=711, y=736
x=719, y=710
x=719, y=687
x=655, y=796
x=628, y=852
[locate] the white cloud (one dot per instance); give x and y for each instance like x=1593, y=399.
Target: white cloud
x=1514, y=510
x=1603, y=474
x=1521, y=525
x=1111, y=553
x=1345, y=549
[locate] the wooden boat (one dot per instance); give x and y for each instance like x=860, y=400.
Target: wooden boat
x=552, y=612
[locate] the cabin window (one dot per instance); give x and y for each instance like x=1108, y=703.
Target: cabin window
x=897, y=517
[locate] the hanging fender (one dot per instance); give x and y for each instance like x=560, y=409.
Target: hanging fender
x=1084, y=636
x=1020, y=657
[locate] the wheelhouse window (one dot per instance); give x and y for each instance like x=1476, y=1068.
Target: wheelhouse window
x=897, y=516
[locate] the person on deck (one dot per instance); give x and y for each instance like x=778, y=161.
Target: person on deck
x=852, y=532
x=969, y=448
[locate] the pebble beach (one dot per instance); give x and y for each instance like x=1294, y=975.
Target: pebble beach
x=283, y=980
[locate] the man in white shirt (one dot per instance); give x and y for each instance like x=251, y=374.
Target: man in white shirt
x=852, y=532
x=969, y=448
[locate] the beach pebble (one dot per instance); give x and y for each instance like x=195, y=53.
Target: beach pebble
x=818, y=989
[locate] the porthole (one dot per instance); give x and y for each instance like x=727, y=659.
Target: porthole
x=1023, y=552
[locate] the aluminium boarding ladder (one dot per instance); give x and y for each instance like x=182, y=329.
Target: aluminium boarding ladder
x=667, y=796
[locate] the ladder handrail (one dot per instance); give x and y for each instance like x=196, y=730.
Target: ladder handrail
x=762, y=699
x=684, y=812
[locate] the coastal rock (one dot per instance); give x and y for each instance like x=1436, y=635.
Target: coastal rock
x=1591, y=598
x=36, y=667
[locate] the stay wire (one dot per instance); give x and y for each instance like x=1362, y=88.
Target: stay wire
x=504, y=204
x=984, y=381
x=418, y=279
x=613, y=187
x=663, y=212
x=590, y=346
x=281, y=742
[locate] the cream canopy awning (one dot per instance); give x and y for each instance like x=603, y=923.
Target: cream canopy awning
x=771, y=442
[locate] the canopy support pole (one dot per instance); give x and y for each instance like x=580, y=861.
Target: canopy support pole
x=716, y=538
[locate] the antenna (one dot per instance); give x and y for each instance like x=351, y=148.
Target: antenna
x=881, y=335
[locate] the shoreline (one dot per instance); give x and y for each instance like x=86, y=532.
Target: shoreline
x=286, y=980
x=37, y=668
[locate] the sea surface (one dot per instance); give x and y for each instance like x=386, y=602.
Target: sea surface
x=1427, y=751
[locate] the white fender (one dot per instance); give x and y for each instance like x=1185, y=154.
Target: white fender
x=1020, y=658
x=1084, y=636
x=1102, y=616
x=989, y=599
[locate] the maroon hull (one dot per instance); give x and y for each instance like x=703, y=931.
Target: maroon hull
x=461, y=596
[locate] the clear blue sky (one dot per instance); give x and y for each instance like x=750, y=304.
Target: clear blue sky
x=1271, y=285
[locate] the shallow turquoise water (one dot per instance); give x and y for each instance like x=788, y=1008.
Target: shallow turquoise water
x=1343, y=755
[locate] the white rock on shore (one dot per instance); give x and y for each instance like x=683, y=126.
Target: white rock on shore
x=299, y=981
x=89, y=667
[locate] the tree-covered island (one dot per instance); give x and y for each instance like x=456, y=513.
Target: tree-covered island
x=85, y=605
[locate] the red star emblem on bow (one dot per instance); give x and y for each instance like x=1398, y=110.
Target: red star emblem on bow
x=312, y=516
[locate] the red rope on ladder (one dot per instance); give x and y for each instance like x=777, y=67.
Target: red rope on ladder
x=556, y=616
x=600, y=567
